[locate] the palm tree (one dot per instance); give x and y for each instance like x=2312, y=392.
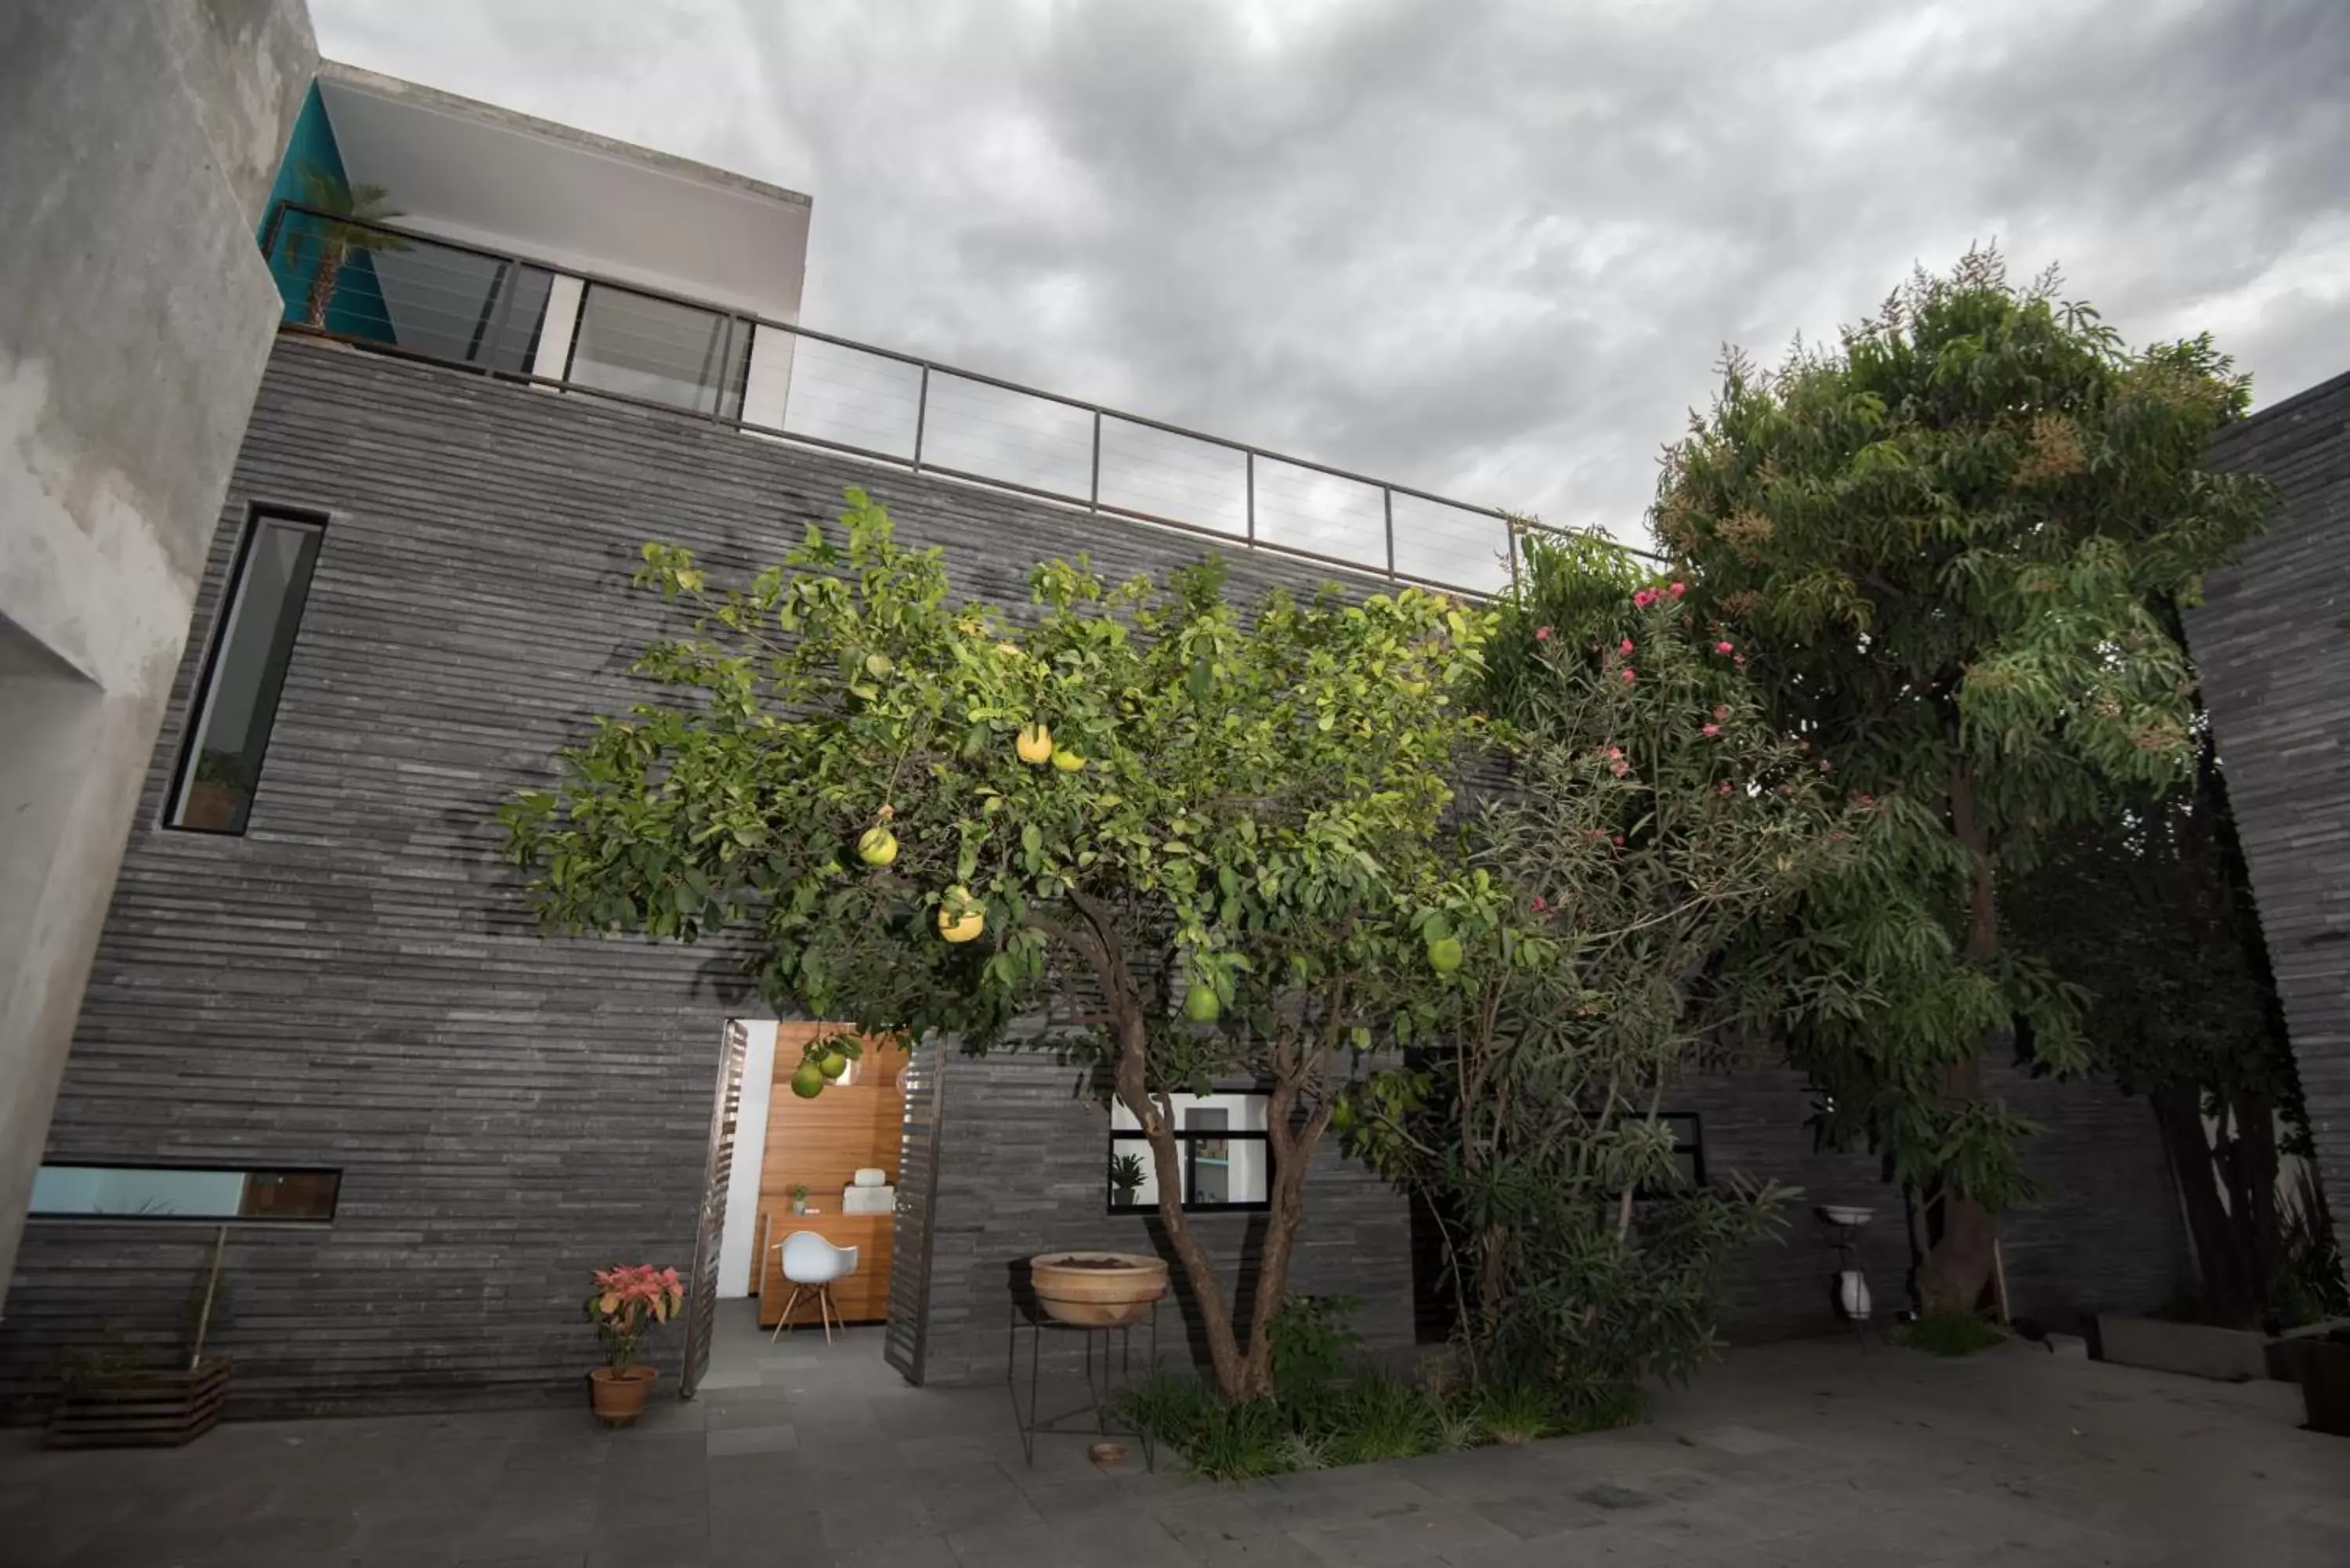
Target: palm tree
x=352, y=209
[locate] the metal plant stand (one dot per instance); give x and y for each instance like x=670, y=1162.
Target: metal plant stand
x=1105, y=1380
x=1849, y=1290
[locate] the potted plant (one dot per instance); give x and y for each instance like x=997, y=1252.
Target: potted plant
x=335, y=238
x=629, y=1299
x=799, y=1196
x=1097, y=1290
x=1125, y=1180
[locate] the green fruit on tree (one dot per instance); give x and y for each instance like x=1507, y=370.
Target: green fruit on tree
x=965, y=927
x=877, y=847
x=1199, y=1003
x=832, y=1063
x=1445, y=955
x=1342, y=1115
x=807, y=1081
x=1035, y=744
x=1067, y=761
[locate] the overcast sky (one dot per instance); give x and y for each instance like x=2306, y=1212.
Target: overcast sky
x=1488, y=249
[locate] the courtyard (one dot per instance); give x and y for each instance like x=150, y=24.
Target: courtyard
x=1817, y=1452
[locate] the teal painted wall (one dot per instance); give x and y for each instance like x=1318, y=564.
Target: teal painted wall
x=357, y=309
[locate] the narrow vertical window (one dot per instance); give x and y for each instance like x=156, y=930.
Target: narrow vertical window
x=237, y=701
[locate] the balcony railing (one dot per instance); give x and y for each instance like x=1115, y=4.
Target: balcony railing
x=406, y=292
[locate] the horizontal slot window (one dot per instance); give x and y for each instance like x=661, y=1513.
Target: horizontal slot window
x=183, y=1192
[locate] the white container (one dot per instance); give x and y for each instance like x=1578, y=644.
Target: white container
x=1852, y=1295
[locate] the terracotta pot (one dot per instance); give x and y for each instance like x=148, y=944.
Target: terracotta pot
x=1097, y=1290
x=619, y=1395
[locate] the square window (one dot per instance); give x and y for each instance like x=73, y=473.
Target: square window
x=1220, y=1140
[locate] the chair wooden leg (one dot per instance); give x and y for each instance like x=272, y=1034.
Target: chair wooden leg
x=785, y=1321
x=825, y=1307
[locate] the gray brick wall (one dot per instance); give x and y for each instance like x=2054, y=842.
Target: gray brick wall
x=2273, y=642
x=355, y=983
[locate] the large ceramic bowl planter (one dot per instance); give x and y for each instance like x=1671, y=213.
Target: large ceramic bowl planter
x=1097, y=1290
x=618, y=1393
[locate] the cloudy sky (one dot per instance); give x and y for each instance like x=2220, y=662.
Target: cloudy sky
x=1491, y=249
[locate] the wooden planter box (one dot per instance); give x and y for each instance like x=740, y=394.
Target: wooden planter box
x=141, y=1409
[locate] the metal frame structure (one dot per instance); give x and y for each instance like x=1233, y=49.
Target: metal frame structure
x=1379, y=560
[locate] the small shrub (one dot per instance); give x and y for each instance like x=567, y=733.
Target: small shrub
x=1458, y=1424
x=1170, y=1407
x=1952, y=1333
x=1239, y=1442
x=1305, y=1452
x=1516, y=1412
x=1381, y=1417
x=1313, y=1342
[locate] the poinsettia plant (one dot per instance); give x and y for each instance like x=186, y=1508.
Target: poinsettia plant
x=629, y=1299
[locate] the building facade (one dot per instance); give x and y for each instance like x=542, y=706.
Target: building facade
x=319, y=980
x=126, y=369
x=2270, y=640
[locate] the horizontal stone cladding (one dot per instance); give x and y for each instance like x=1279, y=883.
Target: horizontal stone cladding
x=2271, y=641
x=355, y=982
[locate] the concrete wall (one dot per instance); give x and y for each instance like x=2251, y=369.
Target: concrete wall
x=137, y=147
x=2273, y=642
x=355, y=983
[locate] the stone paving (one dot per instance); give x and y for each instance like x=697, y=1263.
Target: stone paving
x=1814, y=1453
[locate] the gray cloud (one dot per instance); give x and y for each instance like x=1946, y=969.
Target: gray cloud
x=1487, y=248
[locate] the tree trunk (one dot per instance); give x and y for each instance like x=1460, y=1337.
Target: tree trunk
x=322, y=283
x=1959, y=1264
x=1291, y=1155
x=1133, y=1091
x=2256, y=1182
x=2219, y=1251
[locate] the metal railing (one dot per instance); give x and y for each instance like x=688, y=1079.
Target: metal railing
x=406, y=292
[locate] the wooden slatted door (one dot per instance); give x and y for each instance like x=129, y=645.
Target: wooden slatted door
x=701, y=1288
x=906, y=1338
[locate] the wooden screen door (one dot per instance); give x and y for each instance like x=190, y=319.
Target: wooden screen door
x=905, y=1338
x=702, y=1289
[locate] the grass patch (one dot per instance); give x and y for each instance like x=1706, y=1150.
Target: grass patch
x=1951, y=1333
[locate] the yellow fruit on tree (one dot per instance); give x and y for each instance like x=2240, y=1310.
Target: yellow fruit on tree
x=832, y=1064
x=1445, y=955
x=1200, y=1004
x=1034, y=746
x=1067, y=761
x=877, y=847
x=964, y=926
x=807, y=1081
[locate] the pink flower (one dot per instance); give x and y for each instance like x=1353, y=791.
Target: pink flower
x=1720, y=711
x=1539, y=905
x=1612, y=752
x=1629, y=676
x=1617, y=841
x=1711, y=731
x=1740, y=661
x=1724, y=788
x=1645, y=597
x=1542, y=633
x=1824, y=765
x=1619, y=767
x=1721, y=648
x=1678, y=590
x=1624, y=646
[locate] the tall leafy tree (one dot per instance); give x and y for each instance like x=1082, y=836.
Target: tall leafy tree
x=1183, y=842
x=1651, y=814
x=1944, y=538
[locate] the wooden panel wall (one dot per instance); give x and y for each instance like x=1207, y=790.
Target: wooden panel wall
x=823, y=1142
